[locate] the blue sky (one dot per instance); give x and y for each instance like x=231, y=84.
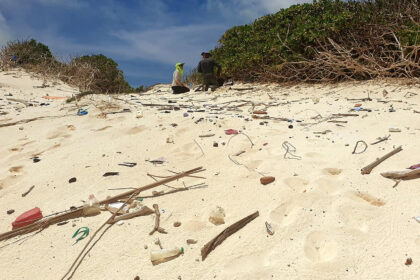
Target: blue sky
x=145, y=37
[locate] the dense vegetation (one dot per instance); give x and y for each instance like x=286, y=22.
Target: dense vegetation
x=328, y=40
x=94, y=73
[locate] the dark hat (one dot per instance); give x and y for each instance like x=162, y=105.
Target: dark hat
x=206, y=53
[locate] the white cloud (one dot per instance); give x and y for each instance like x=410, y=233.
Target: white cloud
x=4, y=31
x=169, y=45
x=245, y=11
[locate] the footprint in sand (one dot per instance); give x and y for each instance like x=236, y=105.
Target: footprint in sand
x=285, y=214
x=187, y=151
x=370, y=199
x=332, y=171
x=296, y=183
x=15, y=169
x=59, y=133
x=103, y=128
x=136, y=130
x=320, y=247
x=328, y=186
x=71, y=127
x=194, y=226
x=356, y=216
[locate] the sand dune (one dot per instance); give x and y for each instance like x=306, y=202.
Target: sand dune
x=330, y=221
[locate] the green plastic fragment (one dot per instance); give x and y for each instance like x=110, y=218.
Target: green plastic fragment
x=84, y=231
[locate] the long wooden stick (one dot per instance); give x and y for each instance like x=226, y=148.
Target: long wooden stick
x=212, y=244
x=402, y=175
x=367, y=169
x=147, y=187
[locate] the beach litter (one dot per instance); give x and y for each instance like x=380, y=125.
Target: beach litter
x=84, y=233
x=82, y=112
x=27, y=218
x=164, y=255
x=231, y=131
x=217, y=216
x=267, y=180
x=416, y=166
x=269, y=228
x=417, y=218
x=72, y=180
x=128, y=164
x=107, y=174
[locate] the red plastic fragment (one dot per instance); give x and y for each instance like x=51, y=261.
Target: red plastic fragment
x=231, y=131
x=27, y=218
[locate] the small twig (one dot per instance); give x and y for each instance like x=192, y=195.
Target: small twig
x=28, y=191
x=381, y=140
x=355, y=147
x=397, y=182
x=202, y=152
x=206, y=135
x=157, y=221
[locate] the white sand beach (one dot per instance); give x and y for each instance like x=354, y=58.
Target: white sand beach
x=329, y=220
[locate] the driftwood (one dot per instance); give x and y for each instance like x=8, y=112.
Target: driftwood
x=144, y=211
x=402, y=175
x=367, y=169
x=212, y=244
x=157, y=221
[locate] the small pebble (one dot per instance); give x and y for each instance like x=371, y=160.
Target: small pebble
x=177, y=224
x=215, y=144
x=72, y=180
x=409, y=261
x=191, y=241
x=145, y=247
x=11, y=211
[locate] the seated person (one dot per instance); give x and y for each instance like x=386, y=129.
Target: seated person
x=177, y=85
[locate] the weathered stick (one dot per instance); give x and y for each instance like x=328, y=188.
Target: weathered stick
x=28, y=191
x=150, y=186
x=212, y=244
x=157, y=221
x=345, y=115
x=381, y=140
x=367, y=169
x=144, y=211
x=402, y=175
x=206, y=135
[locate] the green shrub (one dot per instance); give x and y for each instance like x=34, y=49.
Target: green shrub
x=94, y=73
x=303, y=33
